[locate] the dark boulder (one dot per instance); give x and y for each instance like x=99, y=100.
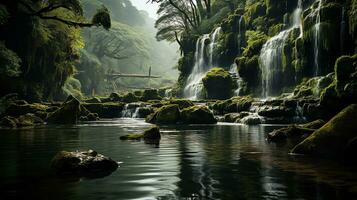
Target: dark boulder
x=83, y=164
x=197, y=115
x=334, y=138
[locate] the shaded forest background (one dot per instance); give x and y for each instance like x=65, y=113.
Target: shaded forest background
x=50, y=49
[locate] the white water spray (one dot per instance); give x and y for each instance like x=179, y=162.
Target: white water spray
x=194, y=82
x=270, y=56
x=317, y=39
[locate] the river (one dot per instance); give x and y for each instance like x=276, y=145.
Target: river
x=224, y=161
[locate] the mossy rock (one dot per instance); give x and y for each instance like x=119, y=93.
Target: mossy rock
x=182, y=103
x=218, y=84
x=130, y=98
x=151, y=94
x=114, y=97
x=132, y=136
x=8, y=122
x=105, y=110
x=83, y=164
x=93, y=100
x=16, y=109
x=249, y=70
x=151, y=136
x=169, y=114
x=235, y=104
x=334, y=137
x=344, y=68
x=295, y=131
x=68, y=113
x=197, y=115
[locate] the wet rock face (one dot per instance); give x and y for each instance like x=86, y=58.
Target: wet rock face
x=197, y=115
x=218, y=84
x=334, y=138
x=28, y=120
x=83, y=164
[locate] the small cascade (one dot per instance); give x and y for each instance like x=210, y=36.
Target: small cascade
x=271, y=54
x=130, y=111
x=235, y=75
x=194, y=82
x=317, y=39
x=240, y=36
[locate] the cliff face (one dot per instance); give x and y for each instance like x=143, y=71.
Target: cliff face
x=275, y=44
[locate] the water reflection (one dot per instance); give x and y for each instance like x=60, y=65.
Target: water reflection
x=225, y=161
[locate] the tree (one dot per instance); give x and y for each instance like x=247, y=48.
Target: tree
x=44, y=10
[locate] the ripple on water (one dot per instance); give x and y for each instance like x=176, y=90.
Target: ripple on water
x=226, y=161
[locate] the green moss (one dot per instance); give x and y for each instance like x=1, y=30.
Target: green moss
x=275, y=29
x=197, y=115
x=130, y=98
x=333, y=138
x=235, y=104
x=344, y=67
x=169, y=114
x=255, y=41
x=151, y=94
x=105, y=110
x=182, y=103
x=218, y=84
x=133, y=136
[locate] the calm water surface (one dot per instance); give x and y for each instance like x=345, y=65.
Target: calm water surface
x=225, y=161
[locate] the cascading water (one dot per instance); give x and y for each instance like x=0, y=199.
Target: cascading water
x=213, y=44
x=270, y=56
x=194, y=82
x=317, y=39
x=239, y=37
x=235, y=75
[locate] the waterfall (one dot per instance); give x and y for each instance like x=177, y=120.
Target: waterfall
x=130, y=111
x=213, y=44
x=239, y=37
x=235, y=75
x=270, y=56
x=317, y=39
x=193, y=86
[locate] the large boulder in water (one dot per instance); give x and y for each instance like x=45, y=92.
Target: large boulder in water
x=106, y=110
x=83, y=164
x=151, y=135
x=150, y=94
x=218, y=84
x=169, y=114
x=334, y=138
x=197, y=115
x=69, y=112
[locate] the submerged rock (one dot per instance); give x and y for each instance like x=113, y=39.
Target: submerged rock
x=28, y=120
x=105, y=110
x=334, y=138
x=151, y=135
x=197, y=115
x=83, y=164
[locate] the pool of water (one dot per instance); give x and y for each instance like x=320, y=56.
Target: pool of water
x=224, y=161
